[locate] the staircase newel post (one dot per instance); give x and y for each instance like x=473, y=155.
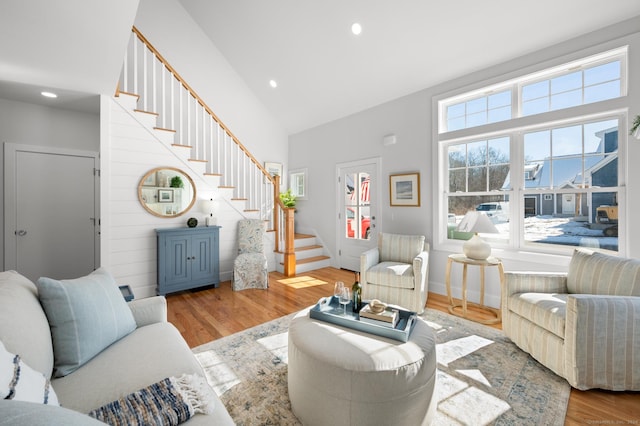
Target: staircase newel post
x=289, y=244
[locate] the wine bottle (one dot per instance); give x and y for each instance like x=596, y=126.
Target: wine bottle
x=356, y=291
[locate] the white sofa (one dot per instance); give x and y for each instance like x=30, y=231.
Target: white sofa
x=153, y=351
x=583, y=325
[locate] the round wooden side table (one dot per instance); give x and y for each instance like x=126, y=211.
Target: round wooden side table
x=465, y=261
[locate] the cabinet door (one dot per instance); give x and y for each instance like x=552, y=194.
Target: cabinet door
x=177, y=260
x=201, y=258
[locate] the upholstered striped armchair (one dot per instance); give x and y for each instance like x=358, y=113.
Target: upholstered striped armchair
x=583, y=325
x=396, y=271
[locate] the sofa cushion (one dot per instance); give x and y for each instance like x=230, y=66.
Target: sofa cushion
x=400, y=248
x=146, y=356
x=19, y=382
x=597, y=273
x=85, y=315
x=546, y=310
x=20, y=413
x=24, y=328
x=391, y=274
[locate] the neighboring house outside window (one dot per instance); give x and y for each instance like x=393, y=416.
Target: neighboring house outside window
x=552, y=183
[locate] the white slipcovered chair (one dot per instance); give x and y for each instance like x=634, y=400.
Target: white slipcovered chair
x=396, y=271
x=250, y=267
x=583, y=325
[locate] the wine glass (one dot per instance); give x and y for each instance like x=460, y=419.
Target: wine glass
x=337, y=289
x=345, y=298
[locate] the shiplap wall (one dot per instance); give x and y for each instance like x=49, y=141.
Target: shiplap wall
x=128, y=151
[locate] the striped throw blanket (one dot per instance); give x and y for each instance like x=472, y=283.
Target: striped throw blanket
x=168, y=402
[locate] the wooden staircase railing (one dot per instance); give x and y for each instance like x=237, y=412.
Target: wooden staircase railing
x=161, y=90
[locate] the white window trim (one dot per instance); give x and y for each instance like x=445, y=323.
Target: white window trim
x=554, y=255
x=304, y=172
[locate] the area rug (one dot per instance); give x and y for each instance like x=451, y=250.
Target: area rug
x=483, y=378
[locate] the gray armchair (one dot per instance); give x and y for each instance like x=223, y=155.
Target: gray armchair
x=396, y=271
x=583, y=325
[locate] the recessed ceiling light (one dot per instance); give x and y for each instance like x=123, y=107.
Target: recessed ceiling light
x=356, y=28
x=273, y=83
x=49, y=94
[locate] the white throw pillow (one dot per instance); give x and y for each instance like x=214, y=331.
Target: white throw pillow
x=19, y=382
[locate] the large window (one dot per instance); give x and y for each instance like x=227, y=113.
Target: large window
x=552, y=184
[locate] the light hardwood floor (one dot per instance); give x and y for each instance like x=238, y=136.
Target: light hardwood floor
x=205, y=315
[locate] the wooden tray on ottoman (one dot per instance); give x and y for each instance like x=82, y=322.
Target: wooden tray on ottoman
x=329, y=309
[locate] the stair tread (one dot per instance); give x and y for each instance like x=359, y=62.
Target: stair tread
x=311, y=259
x=120, y=92
x=164, y=130
x=302, y=236
x=311, y=247
x=147, y=112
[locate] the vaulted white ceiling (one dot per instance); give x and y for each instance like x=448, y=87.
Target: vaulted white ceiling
x=74, y=46
x=324, y=72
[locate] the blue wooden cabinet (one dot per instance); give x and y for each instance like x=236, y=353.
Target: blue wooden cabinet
x=188, y=258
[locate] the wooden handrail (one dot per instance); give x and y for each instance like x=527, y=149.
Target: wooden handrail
x=202, y=103
x=282, y=216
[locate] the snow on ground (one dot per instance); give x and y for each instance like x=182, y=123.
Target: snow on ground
x=562, y=230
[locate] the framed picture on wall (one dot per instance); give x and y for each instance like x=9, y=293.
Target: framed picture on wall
x=404, y=190
x=274, y=169
x=165, y=195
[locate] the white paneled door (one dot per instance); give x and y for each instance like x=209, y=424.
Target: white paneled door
x=358, y=195
x=51, y=211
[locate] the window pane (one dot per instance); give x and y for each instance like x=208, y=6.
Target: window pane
x=537, y=145
x=535, y=106
x=567, y=172
x=493, y=206
x=602, y=92
x=564, y=219
x=499, y=114
x=566, y=100
x=477, y=119
x=567, y=82
x=601, y=137
x=567, y=141
x=602, y=73
x=500, y=99
x=458, y=180
x=477, y=153
x=498, y=176
x=535, y=90
x=604, y=174
x=457, y=156
x=477, y=179
x=477, y=105
x=499, y=150
x=456, y=110
x=455, y=124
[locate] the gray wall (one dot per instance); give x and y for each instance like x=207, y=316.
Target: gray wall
x=411, y=118
x=23, y=123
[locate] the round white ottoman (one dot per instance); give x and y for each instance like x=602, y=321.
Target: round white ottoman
x=340, y=376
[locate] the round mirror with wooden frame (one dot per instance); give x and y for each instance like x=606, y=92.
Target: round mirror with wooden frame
x=166, y=192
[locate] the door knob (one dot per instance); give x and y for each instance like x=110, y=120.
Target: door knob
x=21, y=233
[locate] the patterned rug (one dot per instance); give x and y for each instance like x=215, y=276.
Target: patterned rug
x=483, y=378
